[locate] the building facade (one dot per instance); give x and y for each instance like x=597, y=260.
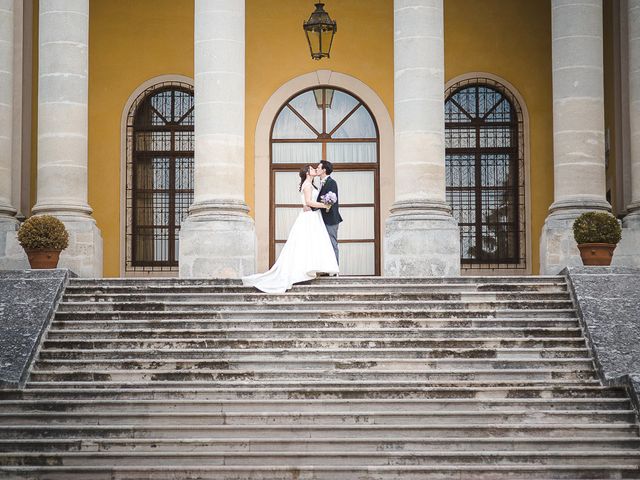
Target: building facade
x=467, y=136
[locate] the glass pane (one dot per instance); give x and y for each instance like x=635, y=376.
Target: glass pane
x=460, y=170
x=487, y=99
x=160, y=208
x=183, y=202
x=496, y=171
x=341, y=105
x=306, y=106
x=161, y=102
x=296, y=153
x=184, y=173
x=161, y=173
x=357, y=152
x=285, y=217
x=358, y=125
x=358, y=224
x=184, y=141
x=460, y=137
x=492, y=137
x=153, y=141
x=453, y=114
x=463, y=204
x=279, y=247
x=355, y=187
x=289, y=125
x=183, y=102
x=466, y=98
x=287, y=184
x=357, y=259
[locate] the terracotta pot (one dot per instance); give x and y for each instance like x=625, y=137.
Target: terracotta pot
x=43, y=258
x=596, y=253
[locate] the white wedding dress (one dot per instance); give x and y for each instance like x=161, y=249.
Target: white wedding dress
x=308, y=251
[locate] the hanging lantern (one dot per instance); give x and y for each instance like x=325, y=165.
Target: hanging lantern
x=324, y=97
x=320, y=30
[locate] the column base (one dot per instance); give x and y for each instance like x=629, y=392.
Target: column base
x=627, y=253
x=421, y=242
x=219, y=244
x=12, y=256
x=84, y=255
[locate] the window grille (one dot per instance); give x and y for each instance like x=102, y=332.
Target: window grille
x=159, y=177
x=485, y=173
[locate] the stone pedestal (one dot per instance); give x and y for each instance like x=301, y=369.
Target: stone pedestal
x=421, y=238
x=627, y=253
x=422, y=244
x=84, y=254
x=218, y=238
x=12, y=256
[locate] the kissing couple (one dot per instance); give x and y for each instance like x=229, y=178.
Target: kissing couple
x=312, y=245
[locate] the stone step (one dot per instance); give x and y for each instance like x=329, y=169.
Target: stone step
x=296, y=333
x=318, y=306
x=310, y=342
x=364, y=363
x=327, y=472
x=289, y=444
x=343, y=314
x=427, y=417
x=364, y=323
x=382, y=458
x=464, y=392
x=267, y=354
x=571, y=373
x=321, y=431
x=297, y=297
x=310, y=406
x=320, y=281
x=313, y=384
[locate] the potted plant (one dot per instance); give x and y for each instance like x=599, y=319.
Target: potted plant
x=597, y=234
x=43, y=237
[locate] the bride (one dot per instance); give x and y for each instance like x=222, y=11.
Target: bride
x=308, y=250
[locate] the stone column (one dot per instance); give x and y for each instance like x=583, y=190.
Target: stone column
x=422, y=238
x=63, y=129
x=218, y=238
x=578, y=128
x=628, y=251
x=11, y=254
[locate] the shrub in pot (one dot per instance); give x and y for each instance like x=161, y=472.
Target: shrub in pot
x=597, y=234
x=43, y=237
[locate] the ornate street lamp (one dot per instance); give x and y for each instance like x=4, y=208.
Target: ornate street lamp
x=320, y=30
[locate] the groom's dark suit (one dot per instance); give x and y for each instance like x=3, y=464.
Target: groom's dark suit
x=331, y=218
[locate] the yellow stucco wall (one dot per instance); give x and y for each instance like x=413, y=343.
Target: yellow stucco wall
x=132, y=41
x=129, y=42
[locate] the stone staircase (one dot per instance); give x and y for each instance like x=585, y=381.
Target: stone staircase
x=343, y=378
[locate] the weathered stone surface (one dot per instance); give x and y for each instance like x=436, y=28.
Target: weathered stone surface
x=608, y=301
x=633, y=387
x=28, y=299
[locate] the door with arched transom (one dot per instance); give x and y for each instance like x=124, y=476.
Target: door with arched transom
x=332, y=124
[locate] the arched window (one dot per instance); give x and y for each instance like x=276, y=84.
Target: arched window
x=485, y=173
x=160, y=148
x=332, y=124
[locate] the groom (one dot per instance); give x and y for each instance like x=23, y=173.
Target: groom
x=332, y=217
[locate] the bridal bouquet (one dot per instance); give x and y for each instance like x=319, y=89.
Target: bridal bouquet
x=329, y=199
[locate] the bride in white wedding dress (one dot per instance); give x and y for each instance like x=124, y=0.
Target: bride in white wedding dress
x=308, y=250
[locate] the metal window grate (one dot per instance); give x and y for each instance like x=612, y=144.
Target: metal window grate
x=485, y=173
x=159, y=186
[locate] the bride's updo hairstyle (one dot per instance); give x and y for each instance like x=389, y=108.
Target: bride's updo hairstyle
x=304, y=171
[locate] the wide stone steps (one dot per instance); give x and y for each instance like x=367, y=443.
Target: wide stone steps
x=289, y=444
x=294, y=334
x=295, y=354
x=317, y=363
x=582, y=457
x=288, y=323
x=287, y=374
x=306, y=406
x=547, y=392
x=324, y=472
x=306, y=314
x=145, y=429
x=340, y=378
